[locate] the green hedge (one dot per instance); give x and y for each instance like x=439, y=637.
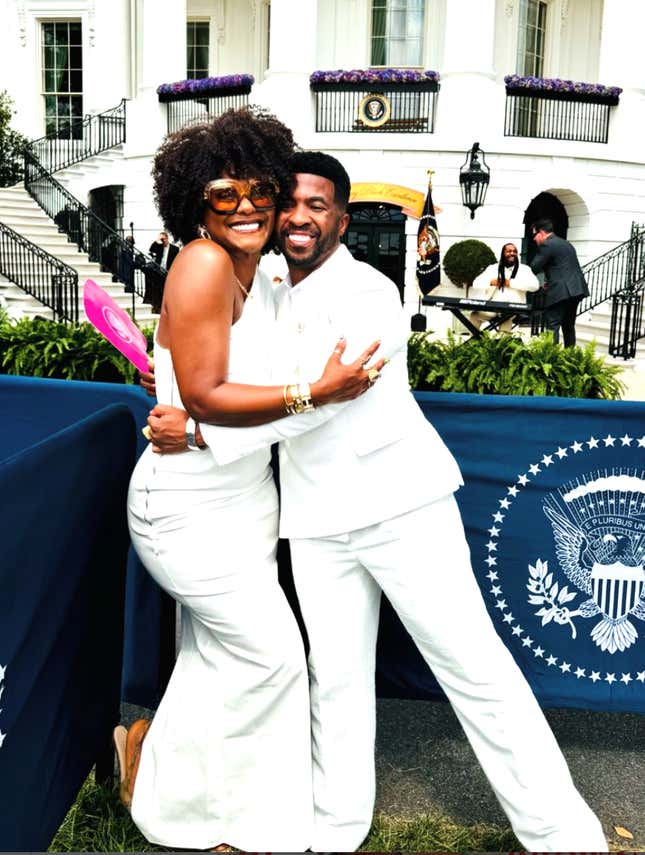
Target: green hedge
x=42, y=348
x=505, y=365
x=497, y=365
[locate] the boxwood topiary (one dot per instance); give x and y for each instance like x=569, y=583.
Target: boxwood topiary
x=465, y=260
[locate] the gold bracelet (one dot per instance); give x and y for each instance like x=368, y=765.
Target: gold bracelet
x=300, y=398
x=285, y=390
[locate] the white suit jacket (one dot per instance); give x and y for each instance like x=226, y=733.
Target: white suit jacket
x=345, y=466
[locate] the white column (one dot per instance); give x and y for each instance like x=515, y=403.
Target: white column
x=292, y=58
x=467, y=73
x=623, y=23
x=160, y=39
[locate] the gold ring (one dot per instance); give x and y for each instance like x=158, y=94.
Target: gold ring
x=373, y=374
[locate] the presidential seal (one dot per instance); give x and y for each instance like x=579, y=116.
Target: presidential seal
x=565, y=559
x=374, y=110
x=599, y=530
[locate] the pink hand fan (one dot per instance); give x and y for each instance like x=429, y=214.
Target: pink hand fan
x=115, y=324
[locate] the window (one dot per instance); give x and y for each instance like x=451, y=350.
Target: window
x=397, y=32
x=62, y=65
x=197, y=49
x=531, y=40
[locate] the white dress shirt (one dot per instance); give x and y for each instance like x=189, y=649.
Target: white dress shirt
x=345, y=466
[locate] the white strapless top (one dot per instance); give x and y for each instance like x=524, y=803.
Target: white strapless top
x=249, y=362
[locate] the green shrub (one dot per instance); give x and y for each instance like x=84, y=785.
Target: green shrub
x=465, y=260
x=505, y=365
x=42, y=348
x=12, y=145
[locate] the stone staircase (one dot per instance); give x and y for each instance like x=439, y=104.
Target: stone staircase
x=21, y=213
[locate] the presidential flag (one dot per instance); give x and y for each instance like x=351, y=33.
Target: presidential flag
x=428, y=258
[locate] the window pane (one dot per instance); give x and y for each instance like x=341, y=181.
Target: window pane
x=201, y=33
x=397, y=32
x=190, y=60
x=50, y=105
x=77, y=106
x=62, y=80
x=76, y=81
x=201, y=57
x=61, y=56
x=50, y=80
x=62, y=33
x=75, y=33
x=49, y=57
x=63, y=106
x=48, y=34
x=76, y=57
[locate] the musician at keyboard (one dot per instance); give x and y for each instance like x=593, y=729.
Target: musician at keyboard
x=505, y=282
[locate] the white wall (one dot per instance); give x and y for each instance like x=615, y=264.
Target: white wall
x=131, y=46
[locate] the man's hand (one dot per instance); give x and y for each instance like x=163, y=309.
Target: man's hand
x=167, y=429
x=147, y=379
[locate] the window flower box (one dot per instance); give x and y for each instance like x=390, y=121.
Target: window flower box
x=562, y=90
x=206, y=87
x=382, y=79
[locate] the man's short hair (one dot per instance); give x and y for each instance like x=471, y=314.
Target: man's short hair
x=319, y=163
x=542, y=225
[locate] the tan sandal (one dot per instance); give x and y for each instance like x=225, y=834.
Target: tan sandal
x=128, y=744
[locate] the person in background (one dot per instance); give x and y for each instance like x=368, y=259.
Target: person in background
x=565, y=284
x=127, y=264
x=506, y=282
x=163, y=253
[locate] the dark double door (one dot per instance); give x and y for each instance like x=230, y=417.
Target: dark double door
x=376, y=234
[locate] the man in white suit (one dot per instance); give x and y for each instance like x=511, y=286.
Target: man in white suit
x=368, y=506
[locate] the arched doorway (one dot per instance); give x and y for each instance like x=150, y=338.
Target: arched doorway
x=544, y=205
x=376, y=234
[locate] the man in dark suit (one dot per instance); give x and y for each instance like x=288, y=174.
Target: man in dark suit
x=565, y=283
x=164, y=253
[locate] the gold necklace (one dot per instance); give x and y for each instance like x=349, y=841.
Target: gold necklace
x=243, y=289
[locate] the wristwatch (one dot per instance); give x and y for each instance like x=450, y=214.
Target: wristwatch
x=191, y=442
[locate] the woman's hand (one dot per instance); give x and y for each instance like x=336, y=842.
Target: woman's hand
x=344, y=382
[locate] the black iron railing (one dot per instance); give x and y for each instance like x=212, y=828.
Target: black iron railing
x=557, y=116
x=93, y=135
x=192, y=109
x=626, y=325
x=623, y=267
x=38, y=273
x=103, y=245
x=406, y=107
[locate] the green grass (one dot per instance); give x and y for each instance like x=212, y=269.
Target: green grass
x=97, y=822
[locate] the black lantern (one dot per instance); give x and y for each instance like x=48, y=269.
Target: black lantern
x=474, y=176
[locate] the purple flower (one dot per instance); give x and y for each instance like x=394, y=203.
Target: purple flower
x=542, y=84
x=206, y=85
x=373, y=75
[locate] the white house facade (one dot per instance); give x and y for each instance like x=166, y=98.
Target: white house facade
x=572, y=152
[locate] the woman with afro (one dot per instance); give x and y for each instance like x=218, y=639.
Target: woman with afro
x=226, y=759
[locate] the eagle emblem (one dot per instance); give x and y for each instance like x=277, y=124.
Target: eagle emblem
x=599, y=532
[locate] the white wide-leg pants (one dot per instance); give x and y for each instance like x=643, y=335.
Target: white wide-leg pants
x=228, y=756
x=422, y=563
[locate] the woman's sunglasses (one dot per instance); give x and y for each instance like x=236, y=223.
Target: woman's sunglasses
x=224, y=195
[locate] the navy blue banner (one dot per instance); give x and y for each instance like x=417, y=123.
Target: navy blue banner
x=33, y=409
x=62, y=575
x=554, y=509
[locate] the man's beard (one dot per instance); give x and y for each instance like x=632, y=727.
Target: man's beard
x=320, y=248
